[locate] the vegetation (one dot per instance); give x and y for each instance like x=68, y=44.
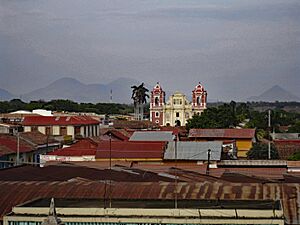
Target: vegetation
x=295, y=128
x=242, y=114
x=295, y=156
x=223, y=116
x=261, y=151
x=65, y=105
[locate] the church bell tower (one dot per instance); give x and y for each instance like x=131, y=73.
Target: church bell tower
x=157, y=103
x=199, y=99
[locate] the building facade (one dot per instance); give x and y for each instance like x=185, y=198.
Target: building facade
x=178, y=109
x=64, y=126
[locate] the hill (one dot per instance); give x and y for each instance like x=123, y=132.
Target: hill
x=5, y=95
x=275, y=93
x=72, y=89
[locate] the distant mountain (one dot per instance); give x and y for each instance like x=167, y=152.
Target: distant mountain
x=275, y=93
x=5, y=95
x=70, y=88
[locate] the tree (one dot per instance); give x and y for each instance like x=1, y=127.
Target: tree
x=295, y=128
x=139, y=96
x=223, y=116
x=260, y=151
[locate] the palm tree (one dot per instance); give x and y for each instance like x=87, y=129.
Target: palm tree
x=139, y=95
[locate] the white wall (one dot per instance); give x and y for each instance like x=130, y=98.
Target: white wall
x=71, y=131
x=55, y=130
x=42, y=129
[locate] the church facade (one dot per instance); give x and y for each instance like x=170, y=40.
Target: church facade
x=178, y=109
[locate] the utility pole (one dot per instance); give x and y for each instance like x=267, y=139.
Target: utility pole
x=269, y=128
x=175, y=188
x=18, y=149
x=208, y=161
x=110, y=172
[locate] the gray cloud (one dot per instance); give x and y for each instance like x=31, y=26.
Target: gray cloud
x=235, y=48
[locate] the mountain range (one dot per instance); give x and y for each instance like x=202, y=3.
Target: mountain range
x=72, y=89
x=275, y=93
x=5, y=95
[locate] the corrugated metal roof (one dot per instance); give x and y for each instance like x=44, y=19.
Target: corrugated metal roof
x=286, y=136
x=130, y=149
x=152, y=136
x=13, y=193
x=194, y=150
x=59, y=120
x=222, y=133
x=69, y=172
x=9, y=144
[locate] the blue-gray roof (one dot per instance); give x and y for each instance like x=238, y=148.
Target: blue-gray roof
x=194, y=150
x=152, y=136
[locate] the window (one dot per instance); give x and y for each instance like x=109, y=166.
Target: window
x=156, y=101
x=177, y=101
x=63, y=131
x=157, y=121
x=187, y=115
x=198, y=100
x=156, y=114
x=177, y=114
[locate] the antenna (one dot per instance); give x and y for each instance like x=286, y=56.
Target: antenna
x=111, y=96
x=269, y=128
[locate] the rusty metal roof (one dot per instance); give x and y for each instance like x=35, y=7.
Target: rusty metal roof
x=14, y=192
x=69, y=172
x=222, y=133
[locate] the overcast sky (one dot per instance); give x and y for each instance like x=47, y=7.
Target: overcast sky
x=237, y=49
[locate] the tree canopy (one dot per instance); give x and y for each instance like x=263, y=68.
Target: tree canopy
x=65, y=105
x=139, y=94
x=261, y=151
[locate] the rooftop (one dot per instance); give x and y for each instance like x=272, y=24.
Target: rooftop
x=59, y=120
x=222, y=133
x=129, y=203
x=20, y=192
x=130, y=149
x=194, y=150
x=152, y=136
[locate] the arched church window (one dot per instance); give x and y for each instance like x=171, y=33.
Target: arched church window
x=156, y=101
x=198, y=100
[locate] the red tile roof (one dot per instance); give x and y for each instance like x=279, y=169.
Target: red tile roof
x=9, y=144
x=222, y=133
x=71, y=151
x=116, y=134
x=132, y=149
x=59, y=120
x=83, y=147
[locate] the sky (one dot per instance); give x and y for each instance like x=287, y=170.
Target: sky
x=236, y=49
